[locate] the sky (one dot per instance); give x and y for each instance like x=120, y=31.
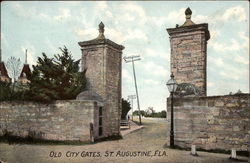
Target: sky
x=141, y=28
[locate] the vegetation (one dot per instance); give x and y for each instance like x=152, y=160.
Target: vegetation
x=161, y=114
x=125, y=108
x=14, y=67
x=55, y=78
x=5, y=91
x=143, y=113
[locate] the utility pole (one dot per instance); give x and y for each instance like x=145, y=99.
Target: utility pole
x=26, y=51
x=132, y=97
x=133, y=59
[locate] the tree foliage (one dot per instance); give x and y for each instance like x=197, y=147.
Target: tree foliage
x=56, y=78
x=161, y=114
x=5, y=91
x=136, y=112
x=125, y=108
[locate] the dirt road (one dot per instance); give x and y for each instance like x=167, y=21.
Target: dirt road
x=144, y=145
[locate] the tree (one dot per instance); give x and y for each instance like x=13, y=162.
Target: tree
x=125, y=108
x=150, y=110
x=143, y=113
x=56, y=78
x=5, y=91
x=163, y=114
x=14, y=67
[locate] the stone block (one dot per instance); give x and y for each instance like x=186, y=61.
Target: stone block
x=215, y=111
x=210, y=103
x=212, y=139
x=236, y=128
x=219, y=103
x=193, y=150
x=232, y=105
x=233, y=154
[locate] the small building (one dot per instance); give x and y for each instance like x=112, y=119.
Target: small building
x=25, y=74
x=4, y=77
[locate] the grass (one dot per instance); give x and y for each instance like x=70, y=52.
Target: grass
x=29, y=140
x=10, y=139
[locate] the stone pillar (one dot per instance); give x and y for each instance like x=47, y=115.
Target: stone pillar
x=193, y=150
x=189, y=52
x=233, y=154
x=102, y=58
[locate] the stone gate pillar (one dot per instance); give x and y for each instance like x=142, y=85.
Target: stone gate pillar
x=189, y=52
x=103, y=60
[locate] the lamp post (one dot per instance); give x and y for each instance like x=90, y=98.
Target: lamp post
x=172, y=85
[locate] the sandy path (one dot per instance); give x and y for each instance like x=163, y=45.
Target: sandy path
x=144, y=145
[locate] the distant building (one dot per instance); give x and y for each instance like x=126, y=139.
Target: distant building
x=4, y=77
x=25, y=74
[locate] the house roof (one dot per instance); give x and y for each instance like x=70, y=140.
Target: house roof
x=3, y=70
x=25, y=72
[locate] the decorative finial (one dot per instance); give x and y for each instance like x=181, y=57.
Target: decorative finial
x=172, y=75
x=101, y=26
x=101, y=31
x=26, y=56
x=188, y=13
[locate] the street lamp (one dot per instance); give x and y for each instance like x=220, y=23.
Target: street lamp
x=172, y=85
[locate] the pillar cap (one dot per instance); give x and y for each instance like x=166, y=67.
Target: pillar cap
x=101, y=40
x=101, y=31
x=188, y=22
x=189, y=26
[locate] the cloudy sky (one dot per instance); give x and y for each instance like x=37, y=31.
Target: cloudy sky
x=141, y=28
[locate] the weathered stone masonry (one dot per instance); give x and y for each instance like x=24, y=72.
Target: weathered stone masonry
x=215, y=122
x=61, y=120
x=102, y=58
x=210, y=123
x=189, y=54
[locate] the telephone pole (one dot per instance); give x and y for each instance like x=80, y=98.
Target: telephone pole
x=133, y=59
x=132, y=97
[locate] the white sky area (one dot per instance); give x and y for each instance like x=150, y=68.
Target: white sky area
x=141, y=28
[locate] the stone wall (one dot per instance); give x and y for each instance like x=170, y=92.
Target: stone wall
x=212, y=123
x=61, y=120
